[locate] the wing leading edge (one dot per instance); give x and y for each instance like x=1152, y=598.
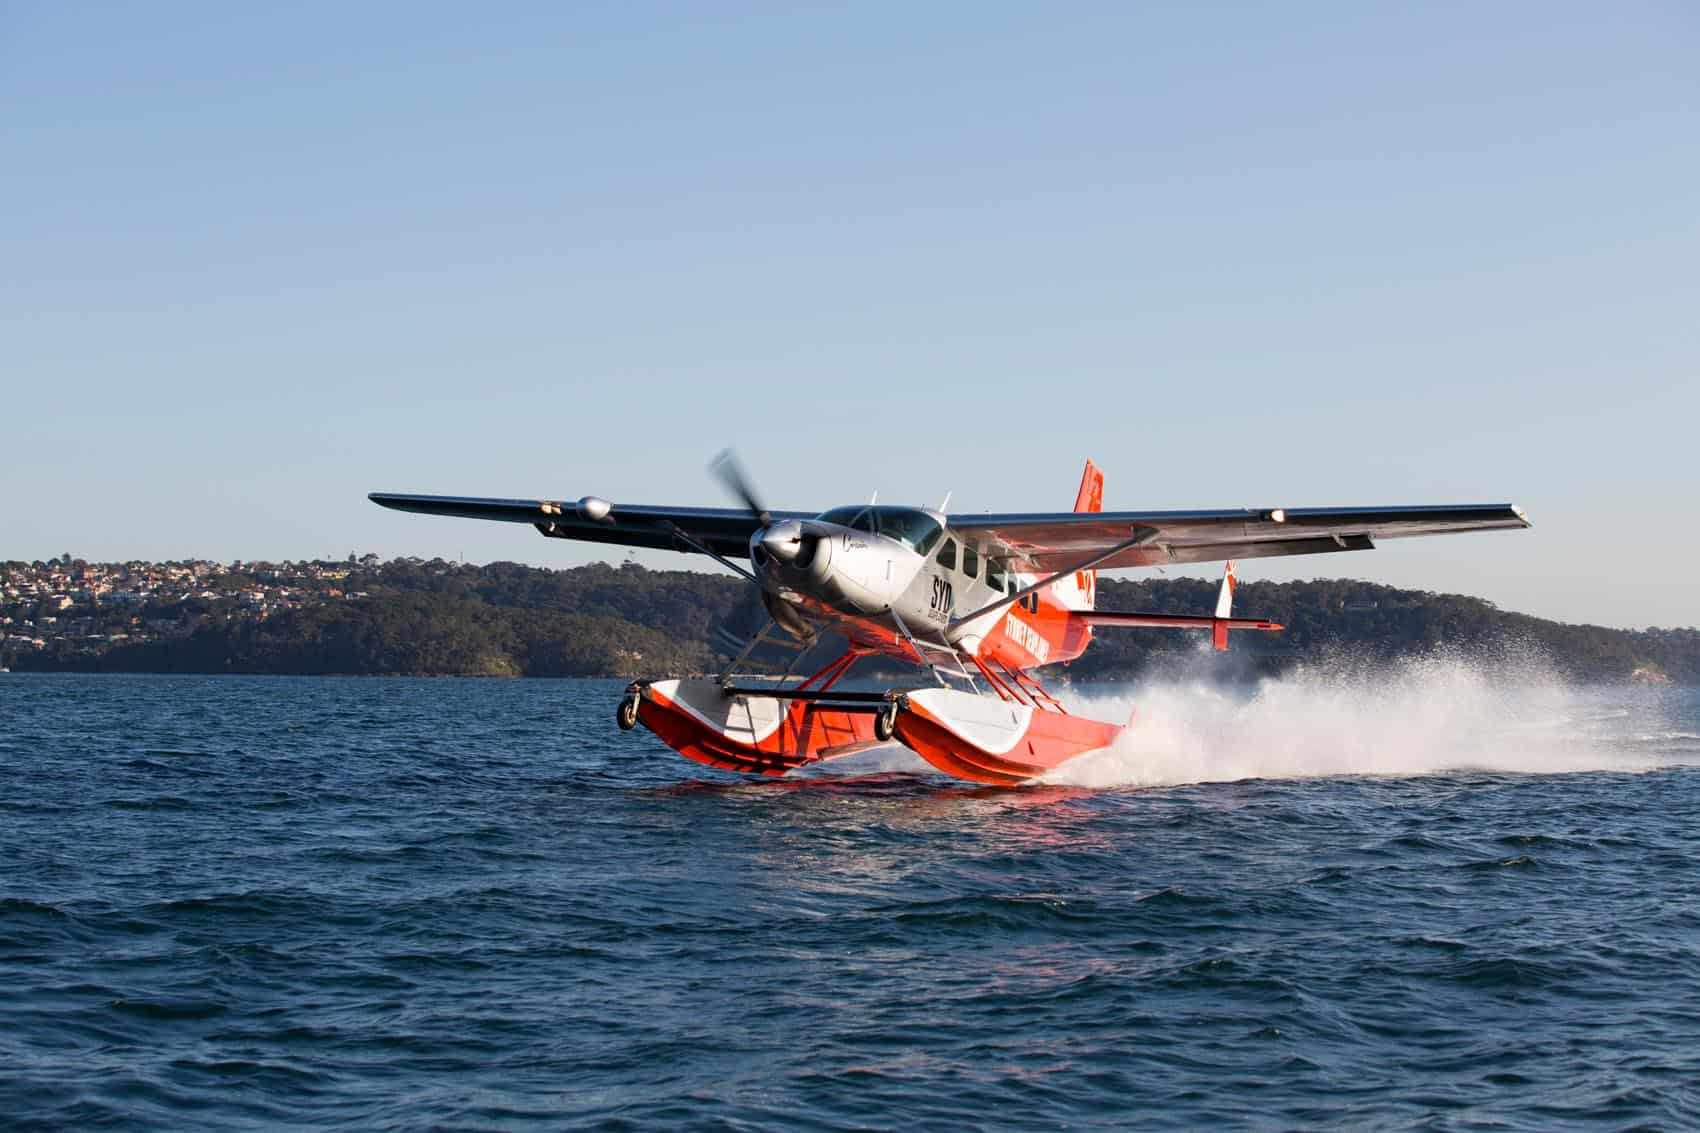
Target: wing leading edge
x=1052, y=541
x=724, y=530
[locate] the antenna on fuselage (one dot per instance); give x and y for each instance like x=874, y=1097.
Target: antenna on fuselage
x=875, y=498
x=945, y=506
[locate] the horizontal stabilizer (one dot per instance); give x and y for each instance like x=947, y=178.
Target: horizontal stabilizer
x=1218, y=627
x=1168, y=621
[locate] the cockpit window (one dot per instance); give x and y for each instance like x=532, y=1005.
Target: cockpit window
x=970, y=561
x=857, y=516
x=947, y=555
x=912, y=527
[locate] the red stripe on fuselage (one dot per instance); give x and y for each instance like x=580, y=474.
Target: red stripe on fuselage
x=1027, y=639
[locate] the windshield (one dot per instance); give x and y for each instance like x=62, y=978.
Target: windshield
x=859, y=516
x=912, y=527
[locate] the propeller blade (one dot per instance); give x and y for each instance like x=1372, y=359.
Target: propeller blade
x=731, y=474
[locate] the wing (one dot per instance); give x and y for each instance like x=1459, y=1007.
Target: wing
x=724, y=530
x=1055, y=540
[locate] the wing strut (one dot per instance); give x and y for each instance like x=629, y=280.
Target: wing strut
x=681, y=533
x=1142, y=535
x=920, y=653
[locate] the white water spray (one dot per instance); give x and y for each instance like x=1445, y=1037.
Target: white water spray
x=1415, y=717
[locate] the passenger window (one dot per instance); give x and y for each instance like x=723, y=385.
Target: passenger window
x=947, y=555
x=994, y=576
x=970, y=562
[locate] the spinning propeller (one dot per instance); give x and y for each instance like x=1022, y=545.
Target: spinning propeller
x=784, y=541
x=732, y=475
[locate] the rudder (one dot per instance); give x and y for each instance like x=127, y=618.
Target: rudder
x=1091, y=494
x=1090, y=498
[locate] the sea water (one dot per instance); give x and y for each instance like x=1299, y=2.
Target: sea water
x=1440, y=897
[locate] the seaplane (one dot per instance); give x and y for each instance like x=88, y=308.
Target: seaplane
x=975, y=603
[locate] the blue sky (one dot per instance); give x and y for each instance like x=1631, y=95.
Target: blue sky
x=260, y=261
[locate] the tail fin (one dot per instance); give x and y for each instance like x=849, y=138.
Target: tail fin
x=1091, y=494
x=1224, y=609
x=1089, y=498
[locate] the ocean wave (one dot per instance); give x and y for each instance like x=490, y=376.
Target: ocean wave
x=1344, y=903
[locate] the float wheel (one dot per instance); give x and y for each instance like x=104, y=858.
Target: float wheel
x=885, y=722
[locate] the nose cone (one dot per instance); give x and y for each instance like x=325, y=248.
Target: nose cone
x=783, y=540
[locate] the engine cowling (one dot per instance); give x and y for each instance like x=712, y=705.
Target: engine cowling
x=798, y=553
x=846, y=569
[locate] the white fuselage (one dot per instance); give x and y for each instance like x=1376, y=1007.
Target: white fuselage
x=835, y=572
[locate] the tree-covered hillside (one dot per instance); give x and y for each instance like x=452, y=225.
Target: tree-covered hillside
x=416, y=617
x=1329, y=617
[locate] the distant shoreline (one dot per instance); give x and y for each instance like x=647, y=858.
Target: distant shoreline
x=419, y=618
